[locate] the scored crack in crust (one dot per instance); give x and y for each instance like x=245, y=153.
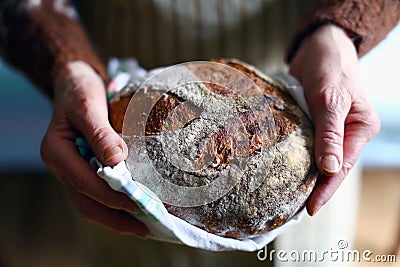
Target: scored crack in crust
x=283, y=157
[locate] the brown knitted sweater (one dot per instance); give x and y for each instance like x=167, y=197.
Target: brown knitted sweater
x=367, y=22
x=41, y=39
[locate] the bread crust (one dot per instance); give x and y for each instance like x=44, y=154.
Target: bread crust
x=285, y=161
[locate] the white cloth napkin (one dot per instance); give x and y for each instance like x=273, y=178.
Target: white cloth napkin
x=167, y=227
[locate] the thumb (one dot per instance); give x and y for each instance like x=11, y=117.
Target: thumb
x=106, y=144
x=329, y=119
x=90, y=116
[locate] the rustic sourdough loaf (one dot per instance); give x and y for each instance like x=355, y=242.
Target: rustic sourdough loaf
x=283, y=157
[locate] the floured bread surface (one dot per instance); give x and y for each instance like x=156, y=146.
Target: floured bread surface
x=280, y=159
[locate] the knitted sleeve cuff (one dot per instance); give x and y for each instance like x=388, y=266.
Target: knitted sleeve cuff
x=366, y=22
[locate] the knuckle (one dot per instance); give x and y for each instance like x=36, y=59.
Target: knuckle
x=331, y=138
x=333, y=100
x=374, y=123
x=99, y=135
x=370, y=122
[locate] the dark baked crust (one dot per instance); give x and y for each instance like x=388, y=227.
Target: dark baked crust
x=286, y=163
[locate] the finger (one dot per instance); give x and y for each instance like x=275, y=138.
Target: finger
x=323, y=191
x=62, y=158
x=362, y=124
x=329, y=119
x=106, y=144
x=112, y=219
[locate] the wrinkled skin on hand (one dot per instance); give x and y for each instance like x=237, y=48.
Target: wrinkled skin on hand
x=327, y=66
x=80, y=108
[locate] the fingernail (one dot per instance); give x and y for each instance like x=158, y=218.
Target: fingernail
x=316, y=209
x=330, y=164
x=112, y=152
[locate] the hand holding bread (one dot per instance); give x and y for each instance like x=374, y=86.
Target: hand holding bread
x=327, y=66
x=80, y=107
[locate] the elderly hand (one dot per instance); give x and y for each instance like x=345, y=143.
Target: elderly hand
x=80, y=107
x=326, y=65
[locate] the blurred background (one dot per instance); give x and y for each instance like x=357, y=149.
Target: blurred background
x=39, y=227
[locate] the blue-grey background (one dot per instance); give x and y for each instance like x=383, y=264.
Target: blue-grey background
x=24, y=116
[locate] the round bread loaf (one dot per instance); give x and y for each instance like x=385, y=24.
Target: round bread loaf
x=282, y=156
